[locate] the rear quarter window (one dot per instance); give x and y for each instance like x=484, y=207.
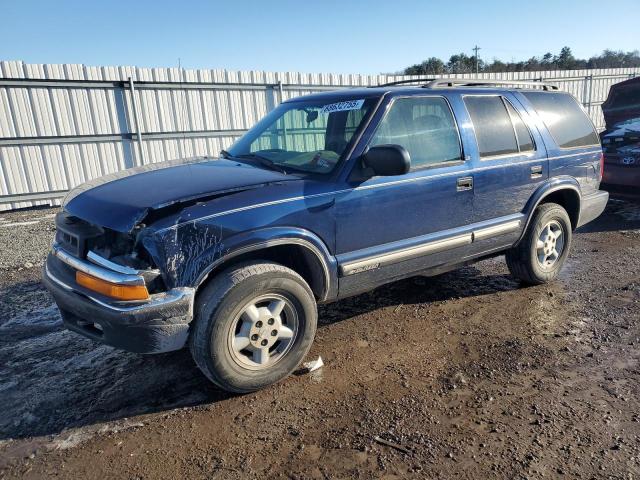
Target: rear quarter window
x=568, y=124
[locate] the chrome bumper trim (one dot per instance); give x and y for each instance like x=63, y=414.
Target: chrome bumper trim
x=109, y=265
x=158, y=299
x=96, y=270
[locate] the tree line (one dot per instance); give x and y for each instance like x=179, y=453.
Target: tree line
x=565, y=60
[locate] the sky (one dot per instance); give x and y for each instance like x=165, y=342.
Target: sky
x=308, y=36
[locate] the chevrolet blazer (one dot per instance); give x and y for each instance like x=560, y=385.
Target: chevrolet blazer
x=329, y=195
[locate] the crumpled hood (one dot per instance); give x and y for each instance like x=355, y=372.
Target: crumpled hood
x=623, y=103
x=123, y=199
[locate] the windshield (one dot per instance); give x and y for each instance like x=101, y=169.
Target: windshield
x=304, y=136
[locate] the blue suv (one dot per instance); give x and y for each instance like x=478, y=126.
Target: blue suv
x=329, y=195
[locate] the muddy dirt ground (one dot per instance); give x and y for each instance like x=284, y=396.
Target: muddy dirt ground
x=467, y=375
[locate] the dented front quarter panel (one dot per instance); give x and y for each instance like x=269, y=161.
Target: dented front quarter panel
x=187, y=244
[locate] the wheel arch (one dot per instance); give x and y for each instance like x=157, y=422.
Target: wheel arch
x=565, y=192
x=297, y=249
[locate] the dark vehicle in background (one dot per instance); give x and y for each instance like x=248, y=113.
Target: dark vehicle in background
x=328, y=196
x=621, y=139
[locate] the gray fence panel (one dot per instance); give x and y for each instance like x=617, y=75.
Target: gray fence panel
x=85, y=121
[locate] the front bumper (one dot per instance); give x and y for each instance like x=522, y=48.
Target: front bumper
x=160, y=324
x=592, y=206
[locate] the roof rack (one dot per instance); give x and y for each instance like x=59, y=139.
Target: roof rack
x=464, y=82
x=403, y=82
x=467, y=82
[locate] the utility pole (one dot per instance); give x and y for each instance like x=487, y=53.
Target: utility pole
x=475, y=49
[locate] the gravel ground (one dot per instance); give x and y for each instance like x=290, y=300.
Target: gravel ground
x=464, y=375
x=24, y=238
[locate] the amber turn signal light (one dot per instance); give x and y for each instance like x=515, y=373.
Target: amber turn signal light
x=112, y=290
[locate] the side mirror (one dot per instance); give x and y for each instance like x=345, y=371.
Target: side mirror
x=387, y=160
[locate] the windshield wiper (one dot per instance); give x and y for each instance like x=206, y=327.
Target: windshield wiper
x=224, y=154
x=267, y=162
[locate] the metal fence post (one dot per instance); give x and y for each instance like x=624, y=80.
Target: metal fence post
x=136, y=121
x=272, y=101
x=125, y=127
x=590, y=97
x=284, y=124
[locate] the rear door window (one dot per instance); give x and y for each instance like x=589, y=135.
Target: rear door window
x=425, y=127
x=568, y=124
x=492, y=124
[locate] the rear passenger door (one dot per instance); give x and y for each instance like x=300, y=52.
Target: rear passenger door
x=510, y=163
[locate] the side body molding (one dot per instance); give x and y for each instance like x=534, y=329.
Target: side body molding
x=247, y=242
x=554, y=185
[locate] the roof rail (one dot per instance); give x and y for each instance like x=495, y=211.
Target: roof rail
x=403, y=82
x=463, y=82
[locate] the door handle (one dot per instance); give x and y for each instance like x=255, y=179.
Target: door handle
x=464, y=183
x=536, y=171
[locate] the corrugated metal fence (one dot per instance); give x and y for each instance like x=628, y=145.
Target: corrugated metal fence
x=61, y=125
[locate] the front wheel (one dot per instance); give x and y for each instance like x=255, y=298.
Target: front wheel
x=254, y=324
x=539, y=257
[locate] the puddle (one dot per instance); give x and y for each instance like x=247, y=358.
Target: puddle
x=627, y=210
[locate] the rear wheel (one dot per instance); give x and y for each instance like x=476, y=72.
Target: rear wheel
x=254, y=324
x=541, y=254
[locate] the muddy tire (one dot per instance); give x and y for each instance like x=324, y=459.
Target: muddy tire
x=254, y=323
x=539, y=257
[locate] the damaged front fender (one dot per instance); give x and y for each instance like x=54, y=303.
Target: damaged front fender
x=188, y=253
x=184, y=252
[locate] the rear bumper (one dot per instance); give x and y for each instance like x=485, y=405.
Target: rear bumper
x=591, y=206
x=158, y=325
x=628, y=176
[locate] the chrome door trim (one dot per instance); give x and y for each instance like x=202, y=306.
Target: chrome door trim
x=496, y=230
x=457, y=240
x=405, y=254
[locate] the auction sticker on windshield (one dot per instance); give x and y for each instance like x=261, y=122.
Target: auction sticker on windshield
x=342, y=106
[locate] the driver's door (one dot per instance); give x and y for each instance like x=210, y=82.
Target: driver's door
x=389, y=227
